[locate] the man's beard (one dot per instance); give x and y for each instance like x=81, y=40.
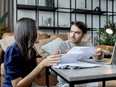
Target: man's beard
x=75, y=41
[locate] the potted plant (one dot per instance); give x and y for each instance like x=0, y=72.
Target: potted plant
x=2, y=28
x=106, y=41
x=104, y=38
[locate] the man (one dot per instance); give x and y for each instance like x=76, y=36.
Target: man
x=77, y=32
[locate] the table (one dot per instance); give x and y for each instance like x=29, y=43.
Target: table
x=102, y=73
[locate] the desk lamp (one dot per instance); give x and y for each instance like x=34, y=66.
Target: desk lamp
x=110, y=29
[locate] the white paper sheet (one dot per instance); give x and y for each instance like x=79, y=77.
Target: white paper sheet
x=78, y=64
x=77, y=53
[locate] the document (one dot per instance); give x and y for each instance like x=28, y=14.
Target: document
x=77, y=64
x=77, y=53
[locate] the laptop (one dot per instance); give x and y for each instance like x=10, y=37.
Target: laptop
x=111, y=61
x=91, y=61
x=113, y=57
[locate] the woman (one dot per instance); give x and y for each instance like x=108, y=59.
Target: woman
x=20, y=64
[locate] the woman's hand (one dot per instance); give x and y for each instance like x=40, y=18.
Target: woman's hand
x=98, y=54
x=51, y=60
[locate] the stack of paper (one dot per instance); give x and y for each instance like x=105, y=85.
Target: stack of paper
x=78, y=64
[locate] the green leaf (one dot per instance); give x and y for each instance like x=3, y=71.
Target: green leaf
x=3, y=18
x=104, y=38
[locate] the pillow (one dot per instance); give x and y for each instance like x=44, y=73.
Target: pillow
x=41, y=37
x=62, y=36
x=7, y=41
x=40, y=32
x=86, y=38
x=6, y=35
x=52, y=46
x=41, y=43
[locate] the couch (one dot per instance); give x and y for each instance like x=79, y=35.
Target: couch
x=43, y=39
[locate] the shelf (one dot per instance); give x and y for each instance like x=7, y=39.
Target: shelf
x=26, y=7
x=46, y=27
x=34, y=7
x=63, y=11
x=44, y=8
x=64, y=28
x=60, y=28
x=84, y=11
x=58, y=13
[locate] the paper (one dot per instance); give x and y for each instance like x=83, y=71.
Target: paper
x=77, y=53
x=78, y=64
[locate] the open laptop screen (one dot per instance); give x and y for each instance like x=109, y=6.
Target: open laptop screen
x=113, y=58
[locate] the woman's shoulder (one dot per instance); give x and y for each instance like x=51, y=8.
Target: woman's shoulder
x=12, y=47
x=12, y=54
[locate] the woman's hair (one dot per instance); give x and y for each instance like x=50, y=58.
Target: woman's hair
x=80, y=25
x=25, y=33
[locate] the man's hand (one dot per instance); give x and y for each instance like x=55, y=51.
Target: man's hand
x=98, y=54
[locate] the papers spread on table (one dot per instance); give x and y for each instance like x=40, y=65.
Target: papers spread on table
x=78, y=64
x=77, y=53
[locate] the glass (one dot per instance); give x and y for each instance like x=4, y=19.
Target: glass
x=101, y=60
x=108, y=52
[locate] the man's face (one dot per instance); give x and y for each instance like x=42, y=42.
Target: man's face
x=76, y=34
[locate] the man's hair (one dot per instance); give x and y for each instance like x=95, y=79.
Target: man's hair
x=80, y=25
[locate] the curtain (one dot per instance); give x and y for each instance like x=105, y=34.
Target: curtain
x=7, y=6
